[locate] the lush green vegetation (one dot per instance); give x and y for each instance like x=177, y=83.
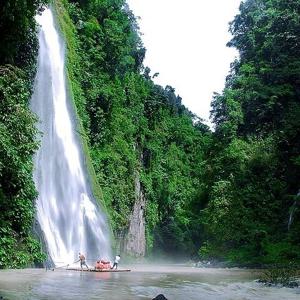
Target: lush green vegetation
x=256, y=155
x=133, y=126
x=18, y=50
x=231, y=194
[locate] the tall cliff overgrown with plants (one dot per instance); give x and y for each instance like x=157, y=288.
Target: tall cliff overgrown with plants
x=18, y=248
x=139, y=133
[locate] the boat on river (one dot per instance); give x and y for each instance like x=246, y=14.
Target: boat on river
x=99, y=270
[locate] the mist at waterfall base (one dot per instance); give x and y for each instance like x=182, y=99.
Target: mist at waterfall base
x=69, y=217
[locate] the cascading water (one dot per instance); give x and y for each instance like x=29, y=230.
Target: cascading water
x=70, y=220
x=293, y=209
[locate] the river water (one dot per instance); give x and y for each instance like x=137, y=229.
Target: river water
x=143, y=282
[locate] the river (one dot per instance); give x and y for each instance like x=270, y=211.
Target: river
x=143, y=282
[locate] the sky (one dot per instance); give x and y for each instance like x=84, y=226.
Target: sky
x=186, y=44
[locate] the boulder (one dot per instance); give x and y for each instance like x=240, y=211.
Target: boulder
x=160, y=297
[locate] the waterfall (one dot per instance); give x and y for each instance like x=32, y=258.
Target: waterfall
x=66, y=211
x=293, y=209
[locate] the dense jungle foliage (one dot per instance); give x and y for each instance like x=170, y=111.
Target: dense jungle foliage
x=253, y=205
x=135, y=127
x=18, y=248
x=230, y=194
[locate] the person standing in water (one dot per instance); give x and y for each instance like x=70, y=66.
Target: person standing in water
x=117, y=259
x=82, y=261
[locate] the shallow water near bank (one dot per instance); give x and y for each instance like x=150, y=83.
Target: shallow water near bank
x=143, y=282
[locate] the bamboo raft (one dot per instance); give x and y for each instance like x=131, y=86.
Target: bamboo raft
x=97, y=270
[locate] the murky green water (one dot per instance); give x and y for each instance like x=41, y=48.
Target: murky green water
x=143, y=282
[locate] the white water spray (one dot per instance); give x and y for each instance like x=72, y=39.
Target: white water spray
x=70, y=220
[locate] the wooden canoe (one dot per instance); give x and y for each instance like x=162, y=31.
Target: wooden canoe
x=94, y=270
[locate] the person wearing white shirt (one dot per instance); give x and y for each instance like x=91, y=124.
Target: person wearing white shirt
x=117, y=259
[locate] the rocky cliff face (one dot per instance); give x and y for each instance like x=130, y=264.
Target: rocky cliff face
x=135, y=242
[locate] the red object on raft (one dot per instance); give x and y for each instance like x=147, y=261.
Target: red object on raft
x=94, y=270
x=102, y=265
